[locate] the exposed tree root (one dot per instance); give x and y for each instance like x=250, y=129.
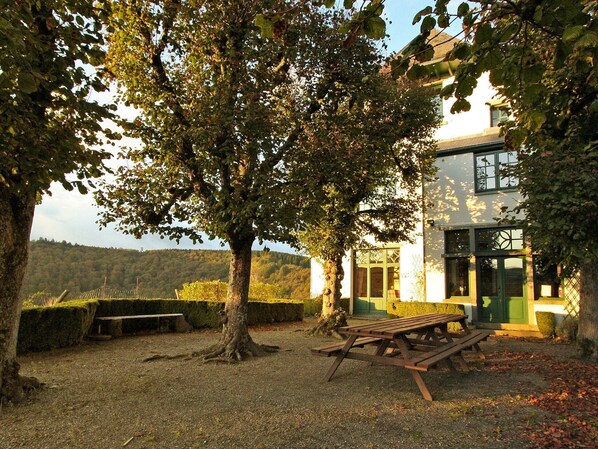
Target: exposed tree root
x=16, y=387
x=330, y=325
x=221, y=353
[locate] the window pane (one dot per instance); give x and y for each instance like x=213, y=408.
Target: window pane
x=376, y=256
x=393, y=255
x=361, y=282
x=514, y=277
x=457, y=277
x=485, y=172
x=506, y=162
x=457, y=241
x=393, y=282
x=361, y=257
x=489, y=276
x=376, y=282
x=499, y=239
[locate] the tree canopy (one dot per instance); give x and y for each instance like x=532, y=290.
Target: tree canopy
x=222, y=113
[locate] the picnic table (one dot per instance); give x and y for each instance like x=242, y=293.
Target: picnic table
x=417, y=343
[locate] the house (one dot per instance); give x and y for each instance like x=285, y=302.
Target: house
x=461, y=253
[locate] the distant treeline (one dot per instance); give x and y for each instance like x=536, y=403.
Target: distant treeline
x=57, y=266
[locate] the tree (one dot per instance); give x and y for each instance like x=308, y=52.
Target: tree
x=367, y=160
x=222, y=110
x=48, y=128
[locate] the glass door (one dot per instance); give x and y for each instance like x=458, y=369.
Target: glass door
x=377, y=279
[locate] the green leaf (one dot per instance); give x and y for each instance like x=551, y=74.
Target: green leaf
x=461, y=105
x=329, y=3
x=428, y=24
x=424, y=12
x=462, y=9
x=460, y=51
x=572, y=33
x=588, y=39
x=483, y=33
x=443, y=21
x=266, y=25
x=417, y=71
x=398, y=67
x=348, y=4
x=375, y=27
x=27, y=83
x=535, y=119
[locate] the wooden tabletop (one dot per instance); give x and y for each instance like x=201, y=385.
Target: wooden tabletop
x=388, y=329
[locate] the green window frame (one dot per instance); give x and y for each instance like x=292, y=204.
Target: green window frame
x=491, y=171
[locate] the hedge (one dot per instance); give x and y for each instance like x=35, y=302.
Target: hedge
x=396, y=309
x=546, y=323
x=57, y=326
x=216, y=291
x=313, y=306
x=65, y=324
x=199, y=313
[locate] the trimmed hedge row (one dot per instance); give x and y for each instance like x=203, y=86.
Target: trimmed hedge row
x=313, y=306
x=200, y=313
x=397, y=309
x=57, y=326
x=65, y=324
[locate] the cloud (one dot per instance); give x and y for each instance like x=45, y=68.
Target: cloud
x=72, y=217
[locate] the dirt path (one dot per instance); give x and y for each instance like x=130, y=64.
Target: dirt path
x=101, y=395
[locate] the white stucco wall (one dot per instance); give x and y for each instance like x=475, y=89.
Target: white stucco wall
x=476, y=121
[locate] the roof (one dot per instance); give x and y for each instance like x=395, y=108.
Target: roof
x=442, y=43
x=469, y=144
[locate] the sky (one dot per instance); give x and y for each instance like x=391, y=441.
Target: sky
x=72, y=217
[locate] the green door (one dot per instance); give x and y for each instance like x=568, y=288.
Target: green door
x=502, y=290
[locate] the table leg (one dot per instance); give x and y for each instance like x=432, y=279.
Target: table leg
x=381, y=349
x=421, y=385
x=340, y=357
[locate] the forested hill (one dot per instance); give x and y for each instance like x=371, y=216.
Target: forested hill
x=57, y=266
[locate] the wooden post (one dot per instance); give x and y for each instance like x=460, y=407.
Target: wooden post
x=62, y=296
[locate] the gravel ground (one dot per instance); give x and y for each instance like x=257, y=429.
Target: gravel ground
x=101, y=395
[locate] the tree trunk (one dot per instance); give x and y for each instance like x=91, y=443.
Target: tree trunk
x=235, y=342
x=16, y=216
x=332, y=317
x=331, y=296
x=587, y=337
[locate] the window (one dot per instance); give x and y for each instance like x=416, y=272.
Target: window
x=498, y=115
x=456, y=263
x=378, y=273
x=499, y=239
x=457, y=241
x=547, y=280
x=437, y=100
x=492, y=171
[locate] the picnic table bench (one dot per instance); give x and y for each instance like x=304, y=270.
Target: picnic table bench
x=416, y=343
x=114, y=323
